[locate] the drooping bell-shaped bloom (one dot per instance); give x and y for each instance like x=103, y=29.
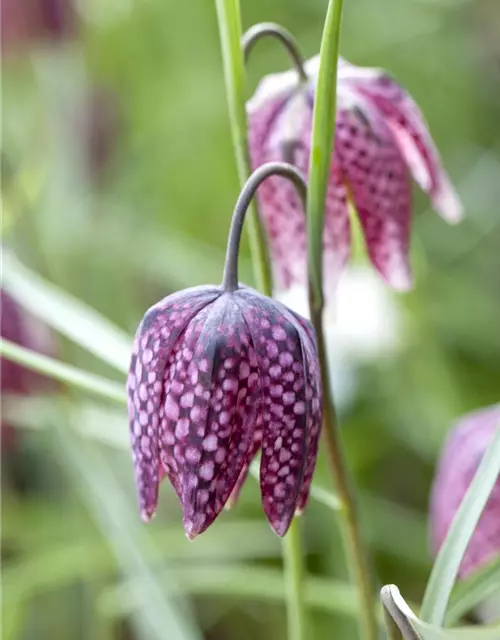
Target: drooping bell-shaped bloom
x=463, y=450
x=381, y=139
x=217, y=374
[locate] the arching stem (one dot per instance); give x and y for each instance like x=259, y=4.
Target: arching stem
x=273, y=30
x=230, y=277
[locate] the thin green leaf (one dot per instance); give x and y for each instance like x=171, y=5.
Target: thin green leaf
x=322, y=138
x=468, y=593
x=106, y=500
x=82, y=558
x=88, y=418
x=400, y=611
x=66, y=314
x=243, y=581
x=445, y=569
x=65, y=373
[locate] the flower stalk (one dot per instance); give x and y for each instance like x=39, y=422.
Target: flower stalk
x=323, y=133
x=229, y=19
x=228, y=15
x=265, y=29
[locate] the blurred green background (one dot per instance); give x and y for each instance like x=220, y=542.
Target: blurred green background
x=118, y=184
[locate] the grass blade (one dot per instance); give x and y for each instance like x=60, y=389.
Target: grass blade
x=445, y=569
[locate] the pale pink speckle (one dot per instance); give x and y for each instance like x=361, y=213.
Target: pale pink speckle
x=202, y=422
x=381, y=137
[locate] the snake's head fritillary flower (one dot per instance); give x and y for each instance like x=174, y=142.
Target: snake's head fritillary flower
x=463, y=450
x=381, y=139
x=217, y=374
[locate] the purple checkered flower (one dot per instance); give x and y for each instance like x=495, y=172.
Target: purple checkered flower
x=217, y=374
x=381, y=138
x=463, y=451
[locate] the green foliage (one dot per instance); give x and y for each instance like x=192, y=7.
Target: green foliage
x=77, y=563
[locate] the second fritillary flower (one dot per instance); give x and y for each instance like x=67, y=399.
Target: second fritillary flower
x=381, y=139
x=217, y=374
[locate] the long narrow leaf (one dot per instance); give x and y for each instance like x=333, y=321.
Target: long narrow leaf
x=66, y=314
x=474, y=590
x=65, y=373
x=445, y=569
x=106, y=500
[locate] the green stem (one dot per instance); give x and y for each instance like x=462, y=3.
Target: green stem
x=65, y=373
x=356, y=551
x=228, y=14
x=322, y=140
x=295, y=582
x=229, y=18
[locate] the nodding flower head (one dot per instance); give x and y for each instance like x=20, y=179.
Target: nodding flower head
x=463, y=450
x=381, y=138
x=217, y=374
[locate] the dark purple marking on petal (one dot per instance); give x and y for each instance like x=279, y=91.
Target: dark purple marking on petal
x=377, y=178
x=212, y=403
x=285, y=406
x=315, y=400
x=155, y=338
x=280, y=206
x=288, y=139
x=412, y=135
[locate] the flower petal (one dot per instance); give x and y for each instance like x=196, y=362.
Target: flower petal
x=212, y=396
x=411, y=133
x=155, y=338
x=462, y=454
x=285, y=416
x=314, y=396
x=377, y=178
x=280, y=207
x=287, y=139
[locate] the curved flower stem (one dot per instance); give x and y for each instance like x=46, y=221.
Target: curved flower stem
x=230, y=278
x=323, y=131
x=273, y=30
x=228, y=15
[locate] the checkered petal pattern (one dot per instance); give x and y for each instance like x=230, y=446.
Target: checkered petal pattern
x=381, y=139
x=214, y=377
